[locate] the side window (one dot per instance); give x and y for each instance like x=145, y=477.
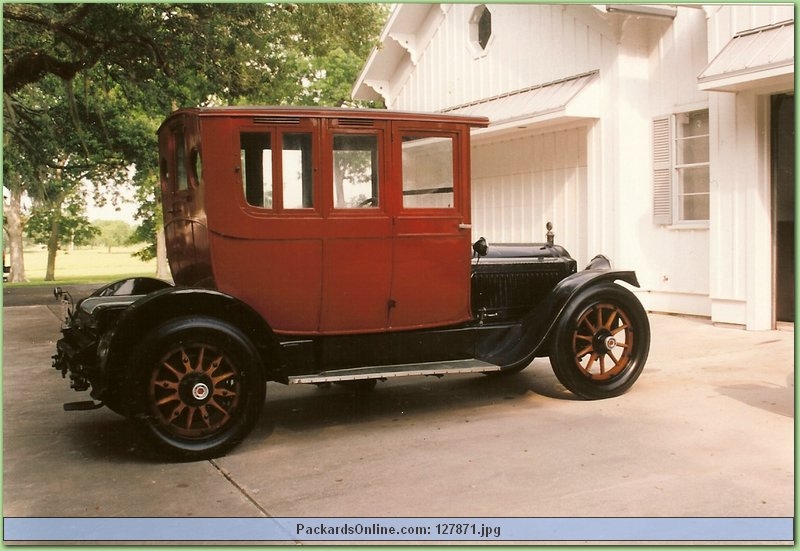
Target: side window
x=355, y=171
x=256, y=162
x=427, y=172
x=180, y=161
x=297, y=173
x=196, y=166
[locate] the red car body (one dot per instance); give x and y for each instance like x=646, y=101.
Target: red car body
x=304, y=265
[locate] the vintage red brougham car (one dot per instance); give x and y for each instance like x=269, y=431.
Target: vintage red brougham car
x=332, y=245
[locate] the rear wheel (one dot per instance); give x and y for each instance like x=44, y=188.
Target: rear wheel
x=601, y=342
x=197, y=387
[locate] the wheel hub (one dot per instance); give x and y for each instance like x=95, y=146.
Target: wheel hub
x=200, y=391
x=604, y=342
x=195, y=389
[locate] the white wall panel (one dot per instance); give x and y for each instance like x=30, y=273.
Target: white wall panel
x=672, y=262
x=531, y=44
x=729, y=19
x=521, y=183
x=741, y=200
x=680, y=53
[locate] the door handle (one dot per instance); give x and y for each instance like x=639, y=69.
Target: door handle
x=465, y=226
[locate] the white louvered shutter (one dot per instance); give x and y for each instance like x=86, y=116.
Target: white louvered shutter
x=662, y=171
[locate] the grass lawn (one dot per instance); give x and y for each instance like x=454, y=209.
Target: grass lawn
x=87, y=265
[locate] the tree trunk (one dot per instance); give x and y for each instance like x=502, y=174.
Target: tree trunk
x=162, y=269
x=338, y=184
x=15, y=228
x=52, y=247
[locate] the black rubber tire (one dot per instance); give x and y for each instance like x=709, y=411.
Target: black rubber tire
x=196, y=387
x=601, y=342
x=112, y=401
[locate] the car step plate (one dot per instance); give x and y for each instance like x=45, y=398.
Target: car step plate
x=401, y=370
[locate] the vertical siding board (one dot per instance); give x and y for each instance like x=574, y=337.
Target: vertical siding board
x=518, y=235
x=583, y=207
x=515, y=202
x=553, y=45
x=568, y=37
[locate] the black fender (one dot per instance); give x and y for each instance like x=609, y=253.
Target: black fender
x=153, y=309
x=531, y=338
x=131, y=286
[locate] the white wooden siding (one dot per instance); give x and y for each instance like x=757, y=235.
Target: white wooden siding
x=725, y=21
x=521, y=183
x=532, y=44
x=671, y=261
x=741, y=199
x=680, y=53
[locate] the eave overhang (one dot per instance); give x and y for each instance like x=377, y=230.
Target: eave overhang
x=404, y=37
x=552, y=103
x=754, y=59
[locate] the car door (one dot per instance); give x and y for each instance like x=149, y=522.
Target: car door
x=430, y=226
x=358, y=235
x=265, y=216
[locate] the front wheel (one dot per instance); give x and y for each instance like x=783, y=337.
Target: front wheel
x=197, y=387
x=601, y=342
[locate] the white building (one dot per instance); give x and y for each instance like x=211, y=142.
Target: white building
x=661, y=136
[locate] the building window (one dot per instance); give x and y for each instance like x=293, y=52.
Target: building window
x=480, y=28
x=681, y=166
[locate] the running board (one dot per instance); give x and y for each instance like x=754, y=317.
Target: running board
x=390, y=371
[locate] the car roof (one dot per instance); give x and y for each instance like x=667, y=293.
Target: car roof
x=330, y=112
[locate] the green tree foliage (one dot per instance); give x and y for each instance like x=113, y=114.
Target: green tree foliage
x=57, y=222
x=76, y=229
x=86, y=85
x=113, y=233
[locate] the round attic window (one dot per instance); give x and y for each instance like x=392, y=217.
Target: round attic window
x=480, y=28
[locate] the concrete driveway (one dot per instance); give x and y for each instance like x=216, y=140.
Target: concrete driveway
x=707, y=431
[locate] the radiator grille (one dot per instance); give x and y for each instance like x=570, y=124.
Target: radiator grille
x=502, y=295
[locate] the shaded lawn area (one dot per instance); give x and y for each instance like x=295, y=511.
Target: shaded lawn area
x=87, y=265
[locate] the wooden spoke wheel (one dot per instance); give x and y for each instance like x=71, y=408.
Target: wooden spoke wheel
x=601, y=342
x=198, y=387
x=195, y=390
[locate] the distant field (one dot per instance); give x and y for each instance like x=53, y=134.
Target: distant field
x=88, y=265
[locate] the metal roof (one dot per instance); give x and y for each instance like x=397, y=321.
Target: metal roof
x=751, y=58
x=559, y=100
